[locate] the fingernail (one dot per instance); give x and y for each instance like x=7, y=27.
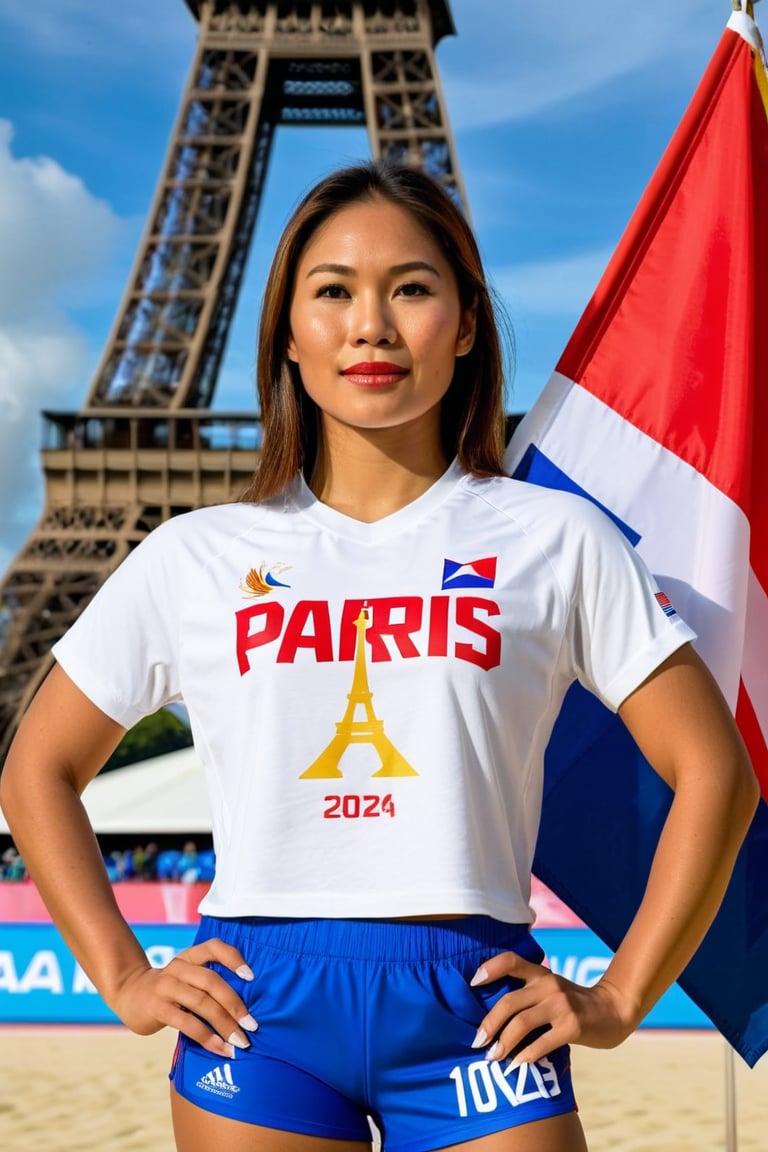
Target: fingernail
x=248, y=1023
x=480, y=1038
x=491, y=1053
x=237, y=1041
x=244, y=972
x=516, y=1063
x=479, y=977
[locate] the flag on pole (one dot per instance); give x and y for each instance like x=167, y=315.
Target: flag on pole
x=658, y=412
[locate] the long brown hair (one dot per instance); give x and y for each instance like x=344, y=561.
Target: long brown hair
x=472, y=412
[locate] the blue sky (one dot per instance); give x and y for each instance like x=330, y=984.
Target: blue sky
x=560, y=110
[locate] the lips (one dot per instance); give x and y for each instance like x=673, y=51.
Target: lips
x=375, y=373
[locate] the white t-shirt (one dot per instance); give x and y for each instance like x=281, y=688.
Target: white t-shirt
x=372, y=702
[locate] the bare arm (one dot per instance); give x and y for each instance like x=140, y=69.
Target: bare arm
x=695, y=746
x=61, y=744
x=683, y=727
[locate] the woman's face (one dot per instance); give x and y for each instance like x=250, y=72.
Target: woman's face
x=375, y=319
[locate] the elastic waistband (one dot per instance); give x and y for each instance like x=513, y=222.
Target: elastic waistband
x=378, y=940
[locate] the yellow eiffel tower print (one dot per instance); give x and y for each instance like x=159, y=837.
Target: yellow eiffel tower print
x=351, y=731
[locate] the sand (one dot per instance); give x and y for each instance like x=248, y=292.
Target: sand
x=76, y=1089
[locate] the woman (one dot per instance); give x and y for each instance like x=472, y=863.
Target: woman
x=373, y=647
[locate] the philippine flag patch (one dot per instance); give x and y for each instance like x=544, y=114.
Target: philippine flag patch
x=665, y=604
x=472, y=574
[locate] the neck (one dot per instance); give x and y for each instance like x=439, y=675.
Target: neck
x=368, y=476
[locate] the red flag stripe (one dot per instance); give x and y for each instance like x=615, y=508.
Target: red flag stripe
x=754, y=667
x=753, y=738
x=758, y=510
x=710, y=285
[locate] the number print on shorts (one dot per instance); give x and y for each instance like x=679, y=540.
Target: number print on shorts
x=352, y=807
x=482, y=1085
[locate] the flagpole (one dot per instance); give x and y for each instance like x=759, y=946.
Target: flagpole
x=731, y=1130
x=731, y=1126
x=731, y=1122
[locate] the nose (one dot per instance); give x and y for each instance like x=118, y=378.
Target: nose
x=372, y=321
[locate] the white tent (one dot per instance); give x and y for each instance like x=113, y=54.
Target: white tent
x=165, y=794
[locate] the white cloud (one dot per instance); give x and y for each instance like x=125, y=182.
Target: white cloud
x=56, y=239
x=493, y=72
x=53, y=233
x=558, y=287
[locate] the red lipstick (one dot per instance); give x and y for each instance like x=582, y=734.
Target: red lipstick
x=375, y=373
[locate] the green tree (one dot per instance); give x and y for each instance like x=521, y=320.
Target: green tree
x=153, y=736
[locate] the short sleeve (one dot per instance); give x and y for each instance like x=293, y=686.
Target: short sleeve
x=622, y=625
x=122, y=652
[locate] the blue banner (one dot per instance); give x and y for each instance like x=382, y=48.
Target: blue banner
x=581, y=956
x=40, y=982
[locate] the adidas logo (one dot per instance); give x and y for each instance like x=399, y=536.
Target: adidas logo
x=219, y=1081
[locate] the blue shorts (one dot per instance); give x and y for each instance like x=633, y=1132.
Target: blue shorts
x=376, y=1018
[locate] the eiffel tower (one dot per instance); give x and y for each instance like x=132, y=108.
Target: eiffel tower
x=349, y=730
x=146, y=445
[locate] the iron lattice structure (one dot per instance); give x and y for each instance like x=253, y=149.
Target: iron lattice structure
x=145, y=445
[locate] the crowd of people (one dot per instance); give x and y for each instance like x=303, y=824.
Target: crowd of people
x=12, y=866
x=148, y=862
x=144, y=862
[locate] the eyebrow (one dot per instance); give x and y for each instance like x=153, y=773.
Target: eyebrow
x=396, y=269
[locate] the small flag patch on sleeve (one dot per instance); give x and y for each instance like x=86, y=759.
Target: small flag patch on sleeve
x=665, y=604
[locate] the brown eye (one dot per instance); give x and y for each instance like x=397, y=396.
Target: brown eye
x=332, y=291
x=413, y=289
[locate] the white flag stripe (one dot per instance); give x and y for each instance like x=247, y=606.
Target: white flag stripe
x=690, y=531
x=754, y=671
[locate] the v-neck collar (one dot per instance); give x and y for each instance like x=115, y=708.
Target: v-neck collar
x=302, y=497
